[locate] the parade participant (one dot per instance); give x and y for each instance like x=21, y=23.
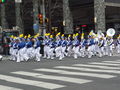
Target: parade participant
x=15, y=49
x=58, y=49
x=69, y=46
x=52, y=48
x=46, y=45
x=83, y=46
x=29, y=48
x=91, y=45
x=21, y=49
x=63, y=47
x=76, y=46
x=101, y=44
x=118, y=44
x=12, y=41
x=37, y=48
x=109, y=41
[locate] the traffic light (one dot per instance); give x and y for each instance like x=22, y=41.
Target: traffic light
x=2, y=1
x=40, y=16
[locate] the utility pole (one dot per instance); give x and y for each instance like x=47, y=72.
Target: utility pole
x=19, y=22
x=49, y=23
x=44, y=16
x=4, y=23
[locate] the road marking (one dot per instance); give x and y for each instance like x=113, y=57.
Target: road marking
x=60, y=78
x=95, y=66
x=105, y=76
x=2, y=87
x=88, y=69
x=30, y=82
x=117, y=62
x=105, y=64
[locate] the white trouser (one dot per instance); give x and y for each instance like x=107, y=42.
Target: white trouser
x=110, y=50
x=118, y=48
x=63, y=53
x=76, y=51
x=1, y=57
x=82, y=51
x=69, y=50
x=46, y=50
x=90, y=51
x=22, y=55
x=37, y=54
x=51, y=53
x=14, y=54
x=30, y=52
x=58, y=51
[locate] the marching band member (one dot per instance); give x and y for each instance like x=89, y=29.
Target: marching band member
x=76, y=46
x=46, y=45
x=29, y=48
x=52, y=48
x=118, y=44
x=21, y=46
x=58, y=49
x=82, y=46
x=69, y=46
x=12, y=41
x=15, y=49
x=63, y=47
x=91, y=46
x=109, y=46
x=37, y=48
x=101, y=44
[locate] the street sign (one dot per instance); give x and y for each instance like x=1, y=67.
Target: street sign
x=18, y=1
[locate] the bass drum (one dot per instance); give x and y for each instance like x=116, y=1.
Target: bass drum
x=111, y=32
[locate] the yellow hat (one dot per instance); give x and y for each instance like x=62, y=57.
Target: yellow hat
x=51, y=36
x=76, y=34
x=69, y=35
x=29, y=36
x=15, y=37
x=11, y=36
x=58, y=34
x=62, y=35
x=82, y=36
x=25, y=37
x=21, y=35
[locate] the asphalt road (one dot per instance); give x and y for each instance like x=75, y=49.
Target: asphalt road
x=68, y=74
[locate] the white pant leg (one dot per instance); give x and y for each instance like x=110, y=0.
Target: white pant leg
x=37, y=54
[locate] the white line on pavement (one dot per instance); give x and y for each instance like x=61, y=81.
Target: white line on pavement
x=117, y=62
x=95, y=66
x=2, y=87
x=108, y=64
x=30, y=82
x=64, y=72
x=88, y=69
x=52, y=77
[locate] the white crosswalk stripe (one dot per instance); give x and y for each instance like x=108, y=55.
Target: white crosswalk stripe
x=88, y=69
x=30, y=82
x=108, y=64
x=117, y=62
x=64, y=72
x=2, y=87
x=96, y=66
x=53, y=77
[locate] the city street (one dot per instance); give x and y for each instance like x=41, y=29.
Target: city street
x=68, y=74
